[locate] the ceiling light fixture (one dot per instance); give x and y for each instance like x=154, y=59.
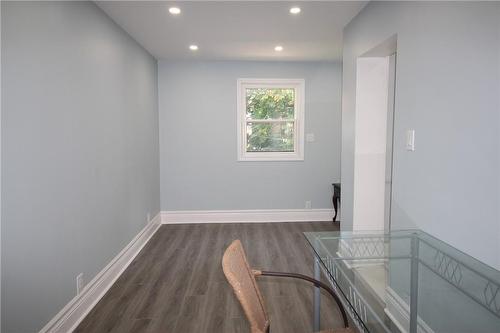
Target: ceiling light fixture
x=174, y=10
x=193, y=47
x=278, y=48
x=295, y=10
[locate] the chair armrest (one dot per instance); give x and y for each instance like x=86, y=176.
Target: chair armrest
x=316, y=283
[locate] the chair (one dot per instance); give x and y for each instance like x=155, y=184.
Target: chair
x=242, y=279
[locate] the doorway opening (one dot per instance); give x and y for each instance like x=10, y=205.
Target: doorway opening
x=374, y=133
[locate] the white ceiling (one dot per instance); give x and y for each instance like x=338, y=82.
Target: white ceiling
x=236, y=30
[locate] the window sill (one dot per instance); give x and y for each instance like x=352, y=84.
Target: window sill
x=270, y=157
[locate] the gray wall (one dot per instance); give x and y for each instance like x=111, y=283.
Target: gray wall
x=80, y=163
x=447, y=89
x=198, y=149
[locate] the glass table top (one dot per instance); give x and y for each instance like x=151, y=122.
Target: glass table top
x=409, y=281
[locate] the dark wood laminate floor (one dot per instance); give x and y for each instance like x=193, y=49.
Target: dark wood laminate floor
x=176, y=283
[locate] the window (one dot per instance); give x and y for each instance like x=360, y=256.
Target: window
x=270, y=119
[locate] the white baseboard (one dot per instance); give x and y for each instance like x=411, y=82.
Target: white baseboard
x=73, y=313
x=399, y=313
x=246, y=216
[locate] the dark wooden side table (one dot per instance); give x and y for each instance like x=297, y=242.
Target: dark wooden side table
x=336, y=198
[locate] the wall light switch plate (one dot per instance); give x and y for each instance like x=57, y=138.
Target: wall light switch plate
x=410, y=140
x=310, y=137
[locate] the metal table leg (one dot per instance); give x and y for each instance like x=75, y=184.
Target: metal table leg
x=317, y=296
x=414, y=284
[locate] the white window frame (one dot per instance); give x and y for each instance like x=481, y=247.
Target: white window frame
x=299, y=86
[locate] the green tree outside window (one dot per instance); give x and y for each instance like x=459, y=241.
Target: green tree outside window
x=273, y=110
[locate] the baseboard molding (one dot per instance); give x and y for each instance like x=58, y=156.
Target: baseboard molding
x=73, y=313
x=399, y=313
x=246, y=216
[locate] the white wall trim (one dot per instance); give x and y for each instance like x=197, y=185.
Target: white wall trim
x=246, y=216
x=73, y=313
x=399, y=312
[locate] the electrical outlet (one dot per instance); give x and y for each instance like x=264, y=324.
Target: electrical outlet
x=148, y=217
x=308, y=205
x=79, y=283
x=310, y=137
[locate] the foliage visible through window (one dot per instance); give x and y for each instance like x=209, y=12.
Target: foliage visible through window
x=270, y=119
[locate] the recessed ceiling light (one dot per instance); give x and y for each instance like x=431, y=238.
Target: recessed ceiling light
x=174, y=10
x=193, y=47
x=295, y=10
x=278, y=48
